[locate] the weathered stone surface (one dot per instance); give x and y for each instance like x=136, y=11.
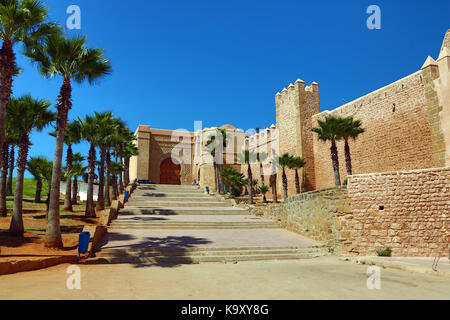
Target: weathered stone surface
x=408, y=211
x=313, y=214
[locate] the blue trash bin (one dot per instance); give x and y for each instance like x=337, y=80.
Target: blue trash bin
x=207, y=190
x=83, y=243
x=126, y=194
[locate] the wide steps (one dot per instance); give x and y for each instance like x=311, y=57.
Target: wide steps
x=181, y=210
x=149, y=195
x=198, y=204
x=203, y=255
x=192, y=225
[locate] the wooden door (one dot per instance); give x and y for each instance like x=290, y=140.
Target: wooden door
x=170, y=172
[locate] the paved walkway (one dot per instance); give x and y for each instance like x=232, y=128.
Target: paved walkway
x=198, y=221
x=415, y=264
x=321, y=278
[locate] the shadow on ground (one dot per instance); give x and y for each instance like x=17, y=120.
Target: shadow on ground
x=167, y=252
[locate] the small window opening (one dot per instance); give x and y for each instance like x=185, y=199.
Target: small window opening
x=381, y=208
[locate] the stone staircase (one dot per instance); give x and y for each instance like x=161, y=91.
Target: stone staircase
x=163, y=224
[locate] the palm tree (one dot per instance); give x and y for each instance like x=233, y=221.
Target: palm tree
x=25, y=114
x=126, y=135
x=46, y=173
x=264, y=189
x=34, y=167
x=11, y=166
x=71, y=59
x=233, y=178
x=296, y=164
x=261, y=157
x=72, y=135
x=284, y=162
x=254, y=185
x=78, y=169
x=350, y=129
x=112, y=143
x=20, y=21
x=11, y=138
x=108, y=127
x=331, y=130
x=89, y=133
x=273, y=178
x=130, y=150
x=116, y=169
x=248, y=157
x=4, y=172
x=214, y=146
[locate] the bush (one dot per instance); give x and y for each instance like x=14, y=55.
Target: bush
x=387, y=252
x=345, y=182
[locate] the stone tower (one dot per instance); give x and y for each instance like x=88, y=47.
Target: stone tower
x=295, y=107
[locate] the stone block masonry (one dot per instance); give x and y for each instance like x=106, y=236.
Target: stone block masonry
x=314, y=214
x=408, y=211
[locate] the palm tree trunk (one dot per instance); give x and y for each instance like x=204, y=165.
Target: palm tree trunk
x=127, y=171
x=68, y=197
x=53, y=235
x=47, y=202
x=101, y=179
x=335, y=160
x=121, y=187
x=16, y=227
x=348, y=159
x=9, y=191
x=37, y=196
x=4, y=169
x=215, y=176
x=297, y=182
x=75, y=191
x=114, y=187
x=261, y=172
x=7, y=70
x=285, y=186
x=304, y=188
x=250, y=184
x=273, y=185
x=108, y=178
x=90, y=211
x=222, y=189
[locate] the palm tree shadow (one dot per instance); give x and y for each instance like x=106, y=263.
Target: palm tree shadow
x=166, y=252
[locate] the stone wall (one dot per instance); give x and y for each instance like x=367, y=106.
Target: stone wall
x=156, y=145
x=407, y=211
x=314, y=214
x=407, y=125
x=295, y=107
x=397, y=136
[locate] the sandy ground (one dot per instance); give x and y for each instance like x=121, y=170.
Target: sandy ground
x=322, y=278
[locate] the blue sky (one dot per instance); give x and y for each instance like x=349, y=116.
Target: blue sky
x=223, y=61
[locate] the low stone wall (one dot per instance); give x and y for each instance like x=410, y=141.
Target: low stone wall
x=407, y=211
x=314, y=214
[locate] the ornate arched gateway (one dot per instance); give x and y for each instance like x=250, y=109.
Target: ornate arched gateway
x=170, y=172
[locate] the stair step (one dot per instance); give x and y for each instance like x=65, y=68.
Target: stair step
x=170, y=250
x=150, y=200
x=194, y=226
x=205, y=204
x=203, y=259
x=180, y=211
x=146, y=195
x=214, y=253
